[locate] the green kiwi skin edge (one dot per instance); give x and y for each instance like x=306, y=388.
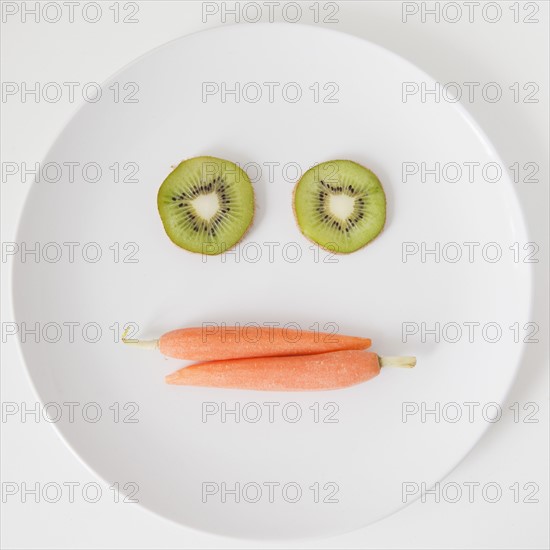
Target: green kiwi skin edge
x=310, y=239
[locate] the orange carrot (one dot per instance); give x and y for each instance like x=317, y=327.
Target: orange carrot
x=212, y=343
x=327, y=371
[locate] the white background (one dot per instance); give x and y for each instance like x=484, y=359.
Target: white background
x=504, y=52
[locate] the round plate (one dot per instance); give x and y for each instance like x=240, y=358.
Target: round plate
x=302, y=464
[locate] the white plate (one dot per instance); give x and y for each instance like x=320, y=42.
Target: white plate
x=370, y=451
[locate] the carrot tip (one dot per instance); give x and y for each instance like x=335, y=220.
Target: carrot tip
x=171, y=378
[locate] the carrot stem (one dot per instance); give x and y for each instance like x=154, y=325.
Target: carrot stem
x=143, y=344
x=396, y=361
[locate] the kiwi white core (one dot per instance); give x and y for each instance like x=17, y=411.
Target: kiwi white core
x=341, y=206
x=206, y=206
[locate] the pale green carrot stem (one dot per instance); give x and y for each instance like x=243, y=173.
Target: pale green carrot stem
x=143, y=344
x=396, y=361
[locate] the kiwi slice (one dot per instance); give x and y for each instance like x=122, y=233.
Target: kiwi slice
x=206, y=205
x=340, y=205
